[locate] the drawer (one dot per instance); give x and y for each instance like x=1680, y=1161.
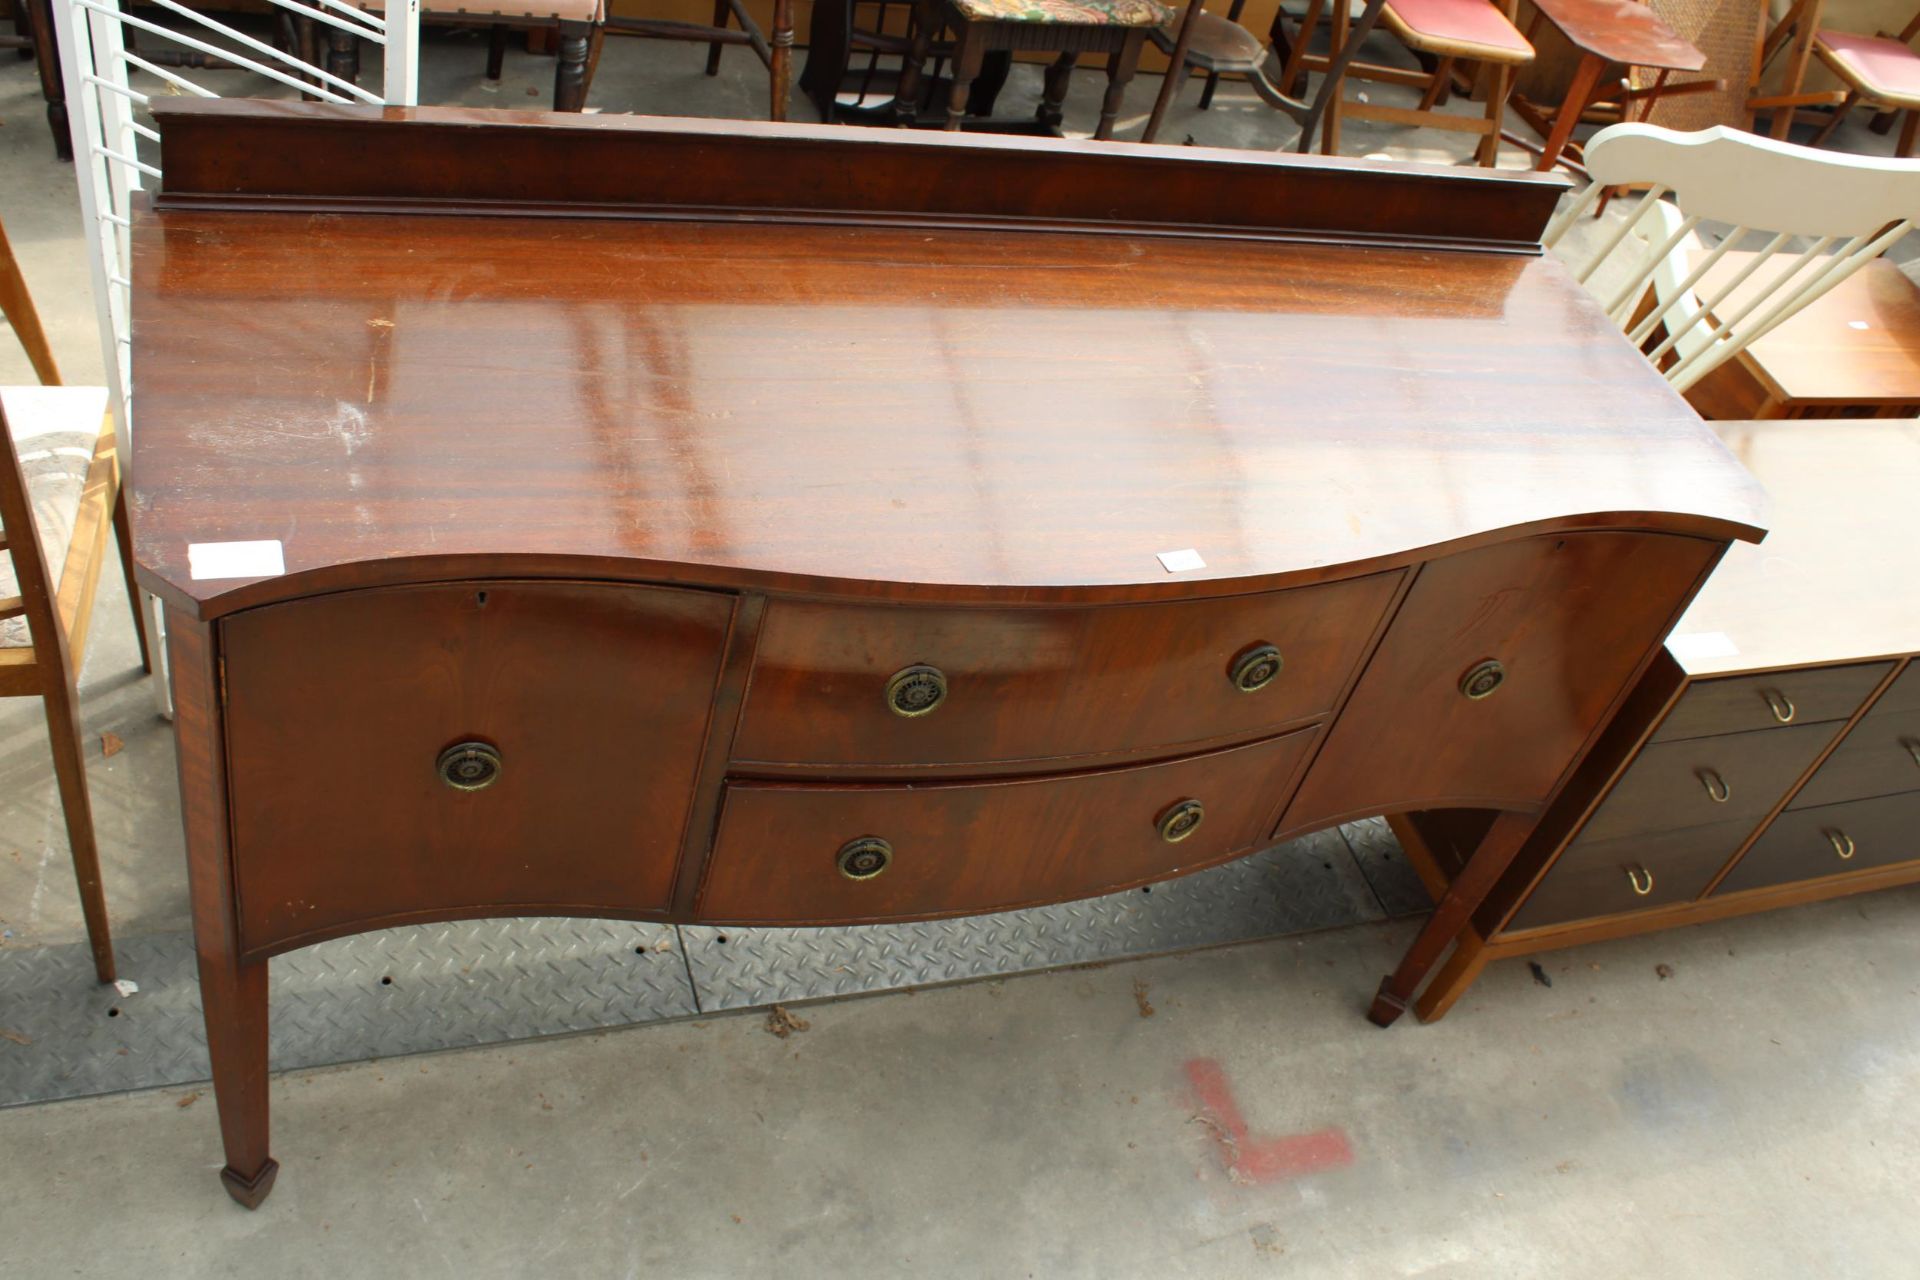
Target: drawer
x=1566, y=619
x=1904, y=695
x=1697, y=781
x=1881, y=756
x=1030, y=684
x=1805, y=695
x=955, y=848
x=1630, y=873
x=595, y=698
x=1806, y=844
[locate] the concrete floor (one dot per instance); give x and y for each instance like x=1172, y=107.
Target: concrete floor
x=1748, y=1116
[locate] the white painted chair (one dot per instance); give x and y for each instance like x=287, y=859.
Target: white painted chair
x=1825, y=215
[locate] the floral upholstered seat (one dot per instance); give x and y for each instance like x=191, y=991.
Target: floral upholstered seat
x=1078, y=13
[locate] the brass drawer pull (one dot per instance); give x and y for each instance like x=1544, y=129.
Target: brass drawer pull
x=1913, y=748
x=916, y=690
x=1781, y=705
x=469, y=766
x=1641, y=879
x=1717, y=789
x=1482, y=679
x=1255, y=668
x=1181, y=821
x=1842, y=842
x=864, y=858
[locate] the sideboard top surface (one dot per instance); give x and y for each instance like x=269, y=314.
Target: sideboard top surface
x=956, y=412
x=1838, y=578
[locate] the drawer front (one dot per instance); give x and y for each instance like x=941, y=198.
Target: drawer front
x=1807, y=844
x=595, y=698
x=1630, y=873
x=1027, y=684
x=1881, y=756
x=1736, y=704
x=968, y=847
x=1568, y=618
x=1697, y=781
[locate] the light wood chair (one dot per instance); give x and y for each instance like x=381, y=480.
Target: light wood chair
x=1446, y=33
x=1823, y=216
x=59, y=497
x=1882, y=70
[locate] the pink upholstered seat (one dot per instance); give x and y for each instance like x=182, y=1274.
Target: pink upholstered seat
x=558, y=10
x=1876, y=67
x=1471, y=29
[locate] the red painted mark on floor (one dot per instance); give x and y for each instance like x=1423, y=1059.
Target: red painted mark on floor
x=1251, y=1159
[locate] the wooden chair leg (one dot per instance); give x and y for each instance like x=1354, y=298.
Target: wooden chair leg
x=968, y=49
x=1342, y=31
x=1847, y=104
x=780, y=61
x=1498, y=848
x=1496, y=115
x=1053, y=95
x=1436, y=87
x=497, y=36
x=123, y=534
x=1120, y=68
x=570, y=72
x=722, y=14
x=1909, y=125
x=17, y=305
x=906, y=94
x=1585, y=77
x=343, y=55
x=70, y=770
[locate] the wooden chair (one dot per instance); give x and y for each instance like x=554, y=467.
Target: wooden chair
x=1848, y=209
x=1882, y=70
x=33, y=36
x=59, y=493
x=1444, y=32
x=775, y=52
x=1067, y=28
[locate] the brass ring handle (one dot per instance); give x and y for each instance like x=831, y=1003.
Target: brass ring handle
x=1781, y=705
x=1842, y=842
x=1482, y=679
x=1913, y=748
x=1181, y=820
x=916, y=690
x=1717, y=789
x=1256, y=667
x=864, y=858
x=469, y=766
x=1641, y=879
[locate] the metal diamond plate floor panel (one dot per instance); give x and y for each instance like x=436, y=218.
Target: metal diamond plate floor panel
x=448, y=986
x=1304, y=885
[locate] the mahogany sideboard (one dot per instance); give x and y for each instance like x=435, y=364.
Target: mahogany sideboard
x=1771, y=753
x=696, y=521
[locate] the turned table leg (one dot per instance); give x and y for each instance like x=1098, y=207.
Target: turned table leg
x=233, y=992
x=1053, y=96
x=570, y=71
x=1120, y=67
x=1469, y=889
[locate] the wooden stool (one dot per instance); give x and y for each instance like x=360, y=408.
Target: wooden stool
x=1069, y=28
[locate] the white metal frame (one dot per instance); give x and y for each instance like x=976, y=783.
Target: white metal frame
x=1848, y=210
x=116, y=155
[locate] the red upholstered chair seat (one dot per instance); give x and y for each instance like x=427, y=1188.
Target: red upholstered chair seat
x=1463, y=28
x=1875, y=66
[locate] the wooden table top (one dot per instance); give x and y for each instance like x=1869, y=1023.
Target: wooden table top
x=1860, y=344
x=960, y=413
x=1836, y=578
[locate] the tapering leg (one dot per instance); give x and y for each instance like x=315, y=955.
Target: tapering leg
x=16, y=304
x=70, y=769
x=123, y=534
x=1847, y=104
x=497, y=36
x=1469, y=889
x=1053, y=96
x=906, y=97
x=722, y=14
x=233, y=994
x=780, y=64
x=570, y=72
x=1176, y=70
x=968, y=50
x=1579, y=92
x=1909, y=124
x=1338, y=55
x=1120, y=67
x=1462, y=969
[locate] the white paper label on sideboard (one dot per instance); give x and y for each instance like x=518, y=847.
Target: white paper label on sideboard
x=1181, y=561
x=1703, y=644
x=260, y=559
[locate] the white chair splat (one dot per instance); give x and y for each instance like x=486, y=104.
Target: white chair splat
x=1826, y=215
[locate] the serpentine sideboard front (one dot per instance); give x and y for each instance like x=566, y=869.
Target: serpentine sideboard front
x=695, y=521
